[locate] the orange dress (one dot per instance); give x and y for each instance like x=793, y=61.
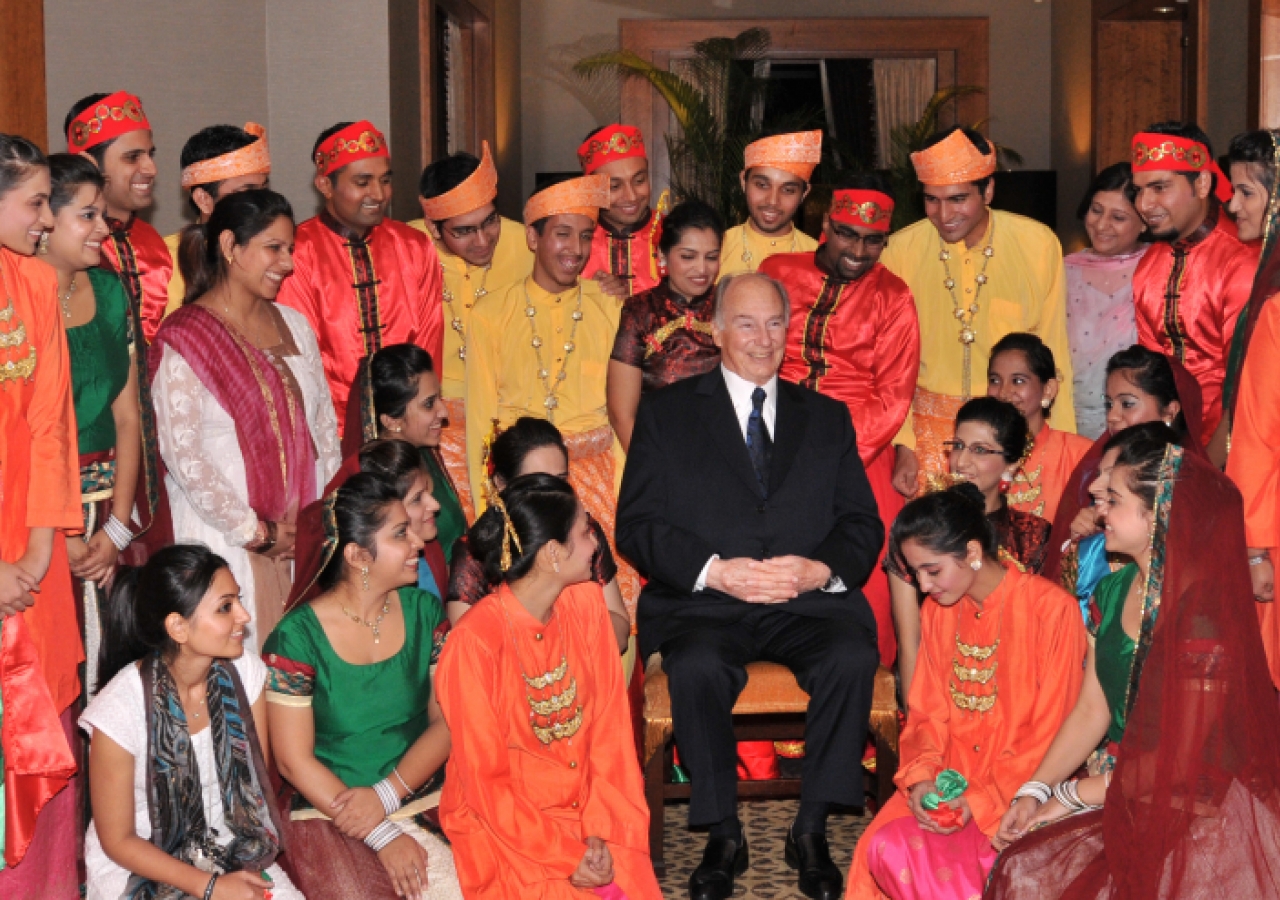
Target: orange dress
x=516, y=811
x=1038, y=486
x=40, y=650
x=1254, y=461
x=1040, y=666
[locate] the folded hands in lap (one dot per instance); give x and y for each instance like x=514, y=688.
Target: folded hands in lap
x=774, y=580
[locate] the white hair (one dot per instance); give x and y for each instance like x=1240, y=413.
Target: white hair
x=722, y=291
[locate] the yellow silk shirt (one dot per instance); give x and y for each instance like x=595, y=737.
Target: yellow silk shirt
x=1025, y=291
x=502, y=365
x=465, y=284
x=177, y=287
x=744, y=248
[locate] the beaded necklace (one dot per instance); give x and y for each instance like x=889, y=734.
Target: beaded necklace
x=966, y=315
x=551, y=401
x=455, y=321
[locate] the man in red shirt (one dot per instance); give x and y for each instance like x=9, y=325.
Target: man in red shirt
x=113, y=131
x=854, y=336
x=1189, y=288
x=362, y=280
x=624, y=250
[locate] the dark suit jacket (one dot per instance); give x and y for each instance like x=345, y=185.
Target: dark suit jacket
x=689, y=492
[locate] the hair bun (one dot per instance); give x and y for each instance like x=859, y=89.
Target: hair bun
x=969, y=491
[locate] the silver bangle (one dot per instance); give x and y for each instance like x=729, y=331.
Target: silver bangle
x=1036, y=790
x=118, y=532
x=386, y=832
x=387, y=794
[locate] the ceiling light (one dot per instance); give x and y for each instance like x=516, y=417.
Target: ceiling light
x=1165, y=9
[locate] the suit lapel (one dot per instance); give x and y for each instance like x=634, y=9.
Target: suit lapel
x=788, y=437
x=721, y=422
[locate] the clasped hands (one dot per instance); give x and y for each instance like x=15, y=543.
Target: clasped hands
x=356, y=812
x=774, y=580
x=915, y=800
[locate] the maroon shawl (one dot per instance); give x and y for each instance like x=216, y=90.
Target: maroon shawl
x=271, y=426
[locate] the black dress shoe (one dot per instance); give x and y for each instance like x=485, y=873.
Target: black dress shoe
x=722, y=861
x=808, y=854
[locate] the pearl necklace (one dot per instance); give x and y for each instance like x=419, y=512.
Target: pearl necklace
x=966, y=315
x=65, y=299
x=748, y=257
x=550, y=402
x=455, y=321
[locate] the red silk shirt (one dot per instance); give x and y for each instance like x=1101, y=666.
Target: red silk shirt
x=857, y=342
x=632, y=255
x=396, y=269
x=138, y=254
x=1188, y=295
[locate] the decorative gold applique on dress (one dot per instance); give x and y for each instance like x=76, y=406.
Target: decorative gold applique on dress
x=974, y=666
x=19, y=364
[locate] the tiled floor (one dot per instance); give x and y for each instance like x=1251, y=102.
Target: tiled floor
x=765, y=822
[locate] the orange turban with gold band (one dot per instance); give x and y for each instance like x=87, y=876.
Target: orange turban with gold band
x=112, y=116
x=1154, y=152
x=953, y=160
x=477, y=189
x=359, y=140
x=797, y=153
x=252, y=159
x=584, y=196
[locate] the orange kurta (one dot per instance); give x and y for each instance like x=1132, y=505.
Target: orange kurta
x=518, y=812
x=1040, y=666
x=1038, y=487
x=1254, y=461
x=859, y=343
x=39, y=488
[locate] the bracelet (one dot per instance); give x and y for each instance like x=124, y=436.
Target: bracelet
x=408, y=791
x=1036, y=790
x=386, y=792
x=386, y=832
x=208, y=891
x=264, y=538
x=1262, y=557
x=1068, y=794
x=118, y=532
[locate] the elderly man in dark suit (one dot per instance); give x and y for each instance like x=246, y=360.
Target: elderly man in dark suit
x=745, y=504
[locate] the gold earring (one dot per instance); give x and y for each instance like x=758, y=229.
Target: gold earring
x=364, y=577
x=44, y=243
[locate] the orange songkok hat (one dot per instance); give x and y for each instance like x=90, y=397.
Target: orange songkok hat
x=477, y=189
x=1154, y=152
x=862, y=208
x=359, y=140
x=797, y=153
x=252, y=159
x=953, y=160
x=106, y=120
x=611, y=143
x=584, y=196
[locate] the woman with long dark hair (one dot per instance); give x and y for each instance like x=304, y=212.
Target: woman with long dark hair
x=356, y=726
x=542, y=794
x=244, y=419
x=40, y=487
x=181, y=796
x=1182, y=799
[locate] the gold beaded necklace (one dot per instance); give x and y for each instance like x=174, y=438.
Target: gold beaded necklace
x=748, y=257
x=455, y=321
x=966, y=315
x=550, y=402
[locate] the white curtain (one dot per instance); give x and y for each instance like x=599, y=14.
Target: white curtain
x=903, y=89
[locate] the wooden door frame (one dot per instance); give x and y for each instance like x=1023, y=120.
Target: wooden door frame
x=960, y=45
x=478, y=15
x=23, y=92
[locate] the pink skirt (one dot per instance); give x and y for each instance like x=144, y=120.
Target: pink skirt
x=909, y=863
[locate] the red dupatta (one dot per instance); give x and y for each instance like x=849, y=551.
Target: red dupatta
x=1075, y=496
x=271, y=426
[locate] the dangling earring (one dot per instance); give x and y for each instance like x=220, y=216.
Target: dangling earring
x=44, y=243
x=976, y=565
x=1006, y=482
x=1045, y=403
x=364, y=577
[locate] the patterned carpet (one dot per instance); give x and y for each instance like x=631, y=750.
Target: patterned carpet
x=766, y=823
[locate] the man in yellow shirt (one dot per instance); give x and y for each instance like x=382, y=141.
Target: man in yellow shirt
x=541, y=348
x=977, y=274
x=216, y=161
x=480, y=253
x=775, y=178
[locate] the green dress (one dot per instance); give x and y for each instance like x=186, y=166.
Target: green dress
x=99, y=352
x=1113, y=651
x=451, y=522
x=366, y=716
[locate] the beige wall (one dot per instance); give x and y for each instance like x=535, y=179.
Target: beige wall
x=558, y=112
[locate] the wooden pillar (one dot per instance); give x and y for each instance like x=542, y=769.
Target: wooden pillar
x=22, y=84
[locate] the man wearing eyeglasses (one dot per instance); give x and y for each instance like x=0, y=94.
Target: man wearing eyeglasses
x=854, y=336
x=480, y=252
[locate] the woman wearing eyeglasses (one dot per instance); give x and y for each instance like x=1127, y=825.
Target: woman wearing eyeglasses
x=988, y=449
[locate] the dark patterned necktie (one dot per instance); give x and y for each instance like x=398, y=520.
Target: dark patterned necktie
x=759, y=444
